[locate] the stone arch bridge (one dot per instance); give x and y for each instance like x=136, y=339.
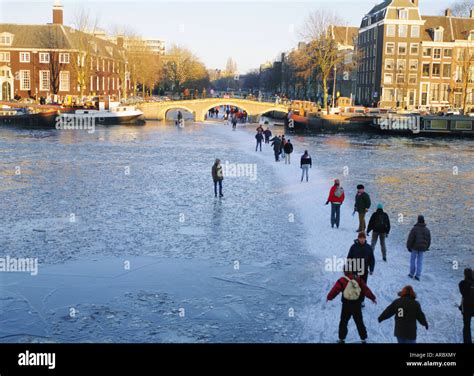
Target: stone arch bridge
x=200, y=107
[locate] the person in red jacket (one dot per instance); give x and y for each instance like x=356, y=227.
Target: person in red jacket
x=351, y=303
x=336, y=198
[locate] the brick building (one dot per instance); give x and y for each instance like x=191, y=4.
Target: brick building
x=54, y=59
x=411, y=61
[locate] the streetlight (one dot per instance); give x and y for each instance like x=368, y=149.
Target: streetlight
x=334, y=88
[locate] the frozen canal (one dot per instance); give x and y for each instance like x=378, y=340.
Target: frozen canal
x=133, y=247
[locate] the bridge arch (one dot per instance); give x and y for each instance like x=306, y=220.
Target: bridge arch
x=178, y=108
x=222, y=102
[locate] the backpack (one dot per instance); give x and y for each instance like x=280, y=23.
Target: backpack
x=379, y=224
x=352, y=290
x=339, y=191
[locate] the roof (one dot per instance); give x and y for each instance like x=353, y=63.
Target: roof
x=455, y=28
x=380, y=6
x=345, y=34
x=53, y=36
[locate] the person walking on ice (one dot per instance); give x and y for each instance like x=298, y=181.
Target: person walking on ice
x=407, y=312
x=288, y=149
x=305, y=164
x=276, y=143
x=259, y=138
x=353, y=290
x=418, y=242
x=217, y=177
x=336, y=198
x=361, y=206
x=380, y=224
x=466, y=288
x=268, y=134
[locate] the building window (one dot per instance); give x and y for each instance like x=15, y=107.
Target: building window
x=448, y=52
x=389, y=64
x=458, y=74
x=5, y=57
x=415, y=31
x=92, y=84
x=390, y=48
x=103, y=67
x=64, y=81
x=388, y=78
x=6, y=39
x=437, y=53
x=414, y=49
x=403, y=31
x=401, y=65
x=426, y=70
x=438, y=35
x=413, y=65
x=113, y=66
x=25, y=83
x=436, y=72
x=400, y=78
x=402, y=48
x=424, y=94
x=444, y=94
x=388, y=94
x=64, y=58
x=435, y=92
x=446, y=70
x=44, y=80
x=403, y=14
x=44, y=57
x=426, y=51
x=390, y=30
x=471, y=33
x=103, y=83
x=24, y=57
x=412, y=78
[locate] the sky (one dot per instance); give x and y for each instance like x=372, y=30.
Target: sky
x=251, y=32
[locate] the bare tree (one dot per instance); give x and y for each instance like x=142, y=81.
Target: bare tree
x=53, y=39
x=465, y=65
x=322, y=48
x=87, y=49
x=462, y=8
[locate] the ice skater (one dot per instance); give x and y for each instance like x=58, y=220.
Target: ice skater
x=305, y=164
x=217, y=177
x=336, y=198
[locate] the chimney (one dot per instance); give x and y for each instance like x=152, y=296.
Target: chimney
x=57, y=13
x=120, y=41
x=448, y=13
x=472, y=13
x=415, y=2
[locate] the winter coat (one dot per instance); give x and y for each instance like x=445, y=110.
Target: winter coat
x=466, y=288
x=268, y=133
x=362, y=202
x=419, y=238
x=217, y=172
x=379, y=222
x=259, y=137
x=407, y=312
x=276, y=143
x=362, y=252
x=341, y=284
x=332, y=197
x=288, y=148
x=306, y=160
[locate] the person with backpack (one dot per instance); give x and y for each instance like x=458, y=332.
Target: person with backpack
x=217, y=177
x=259, y=138
x=288, y=149
x=353, y=290
x=336, y=198
x=268, y=134
x=361, y=253
x=361, y=206
x=276, y=143
x=407, y=312
x=418, y=242
x=466, y=288
x=380, y=223
x=282, y=146
x=305, y=164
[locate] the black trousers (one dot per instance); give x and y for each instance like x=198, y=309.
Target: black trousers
x=354, y=310
x=220, y=187
x=466, y=331
x=364, y=277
